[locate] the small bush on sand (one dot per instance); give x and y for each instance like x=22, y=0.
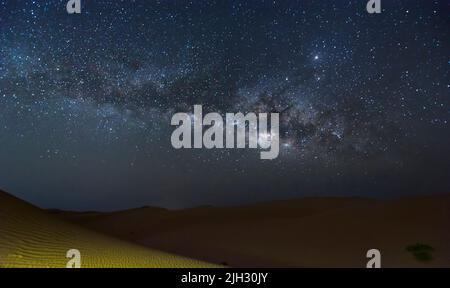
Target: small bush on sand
x=421, y=252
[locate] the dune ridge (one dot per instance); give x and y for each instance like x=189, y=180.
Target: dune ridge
x=33, y=238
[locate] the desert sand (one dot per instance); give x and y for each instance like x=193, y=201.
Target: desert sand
x=30, y=237
x=311, y=232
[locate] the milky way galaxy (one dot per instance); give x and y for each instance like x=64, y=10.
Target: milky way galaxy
x=86, y=100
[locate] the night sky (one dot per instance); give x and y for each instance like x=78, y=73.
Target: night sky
x=86, y=100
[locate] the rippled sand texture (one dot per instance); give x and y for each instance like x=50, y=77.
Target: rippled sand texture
x=31, y=238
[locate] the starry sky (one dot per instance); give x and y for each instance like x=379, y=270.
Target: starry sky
x=86, y=100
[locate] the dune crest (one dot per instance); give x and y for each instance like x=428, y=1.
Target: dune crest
x=31, y=237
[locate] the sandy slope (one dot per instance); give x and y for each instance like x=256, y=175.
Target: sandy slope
x=326, y=232
x=30, y=237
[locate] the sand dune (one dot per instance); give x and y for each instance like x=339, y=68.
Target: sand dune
x=313, y=232
x=322, y=232
x=30, y=237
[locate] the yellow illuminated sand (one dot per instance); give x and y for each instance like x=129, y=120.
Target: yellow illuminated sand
x=31, y=238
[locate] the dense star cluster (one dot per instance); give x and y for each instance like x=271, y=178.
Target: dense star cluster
x=86, y=100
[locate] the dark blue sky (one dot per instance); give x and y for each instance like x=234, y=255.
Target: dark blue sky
x=86, y=100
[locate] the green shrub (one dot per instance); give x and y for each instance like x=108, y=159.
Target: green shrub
x=421, y=252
